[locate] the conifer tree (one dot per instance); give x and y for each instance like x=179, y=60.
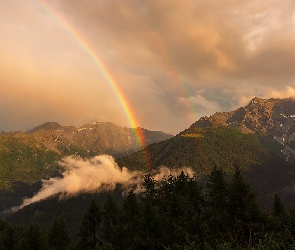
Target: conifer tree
x=279, y=214
x=58, y=234
x=130, y=217
x=292, y=220
x=89, y=227
x=131, y=211
x=149, y=185
x=9, y=236
x=35, y=239
x=243, y=208
x=150, y=226
x=217, y=190
x=278, y=209
x=110, y=221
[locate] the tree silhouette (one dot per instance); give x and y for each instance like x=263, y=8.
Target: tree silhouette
x=88, y=229
x=58, y=234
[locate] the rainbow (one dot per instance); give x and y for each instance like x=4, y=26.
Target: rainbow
x=105, y=72
x=156, y=43
x=174, y=76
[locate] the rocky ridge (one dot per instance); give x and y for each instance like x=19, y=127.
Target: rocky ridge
x=272, y=117
x=95, y=137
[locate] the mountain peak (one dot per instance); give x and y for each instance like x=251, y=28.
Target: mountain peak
x=98, y=137
x=46, y=126
x=260, y=115
x=257, y=99
x=273, y=117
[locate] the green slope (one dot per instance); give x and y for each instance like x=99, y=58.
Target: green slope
x=260, y=158
x=24, y=159
x=200, y=149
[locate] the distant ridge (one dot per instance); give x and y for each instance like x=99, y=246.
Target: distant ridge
x=33, y=155
x=95, y=137
x=6, y=133
x=45, y=126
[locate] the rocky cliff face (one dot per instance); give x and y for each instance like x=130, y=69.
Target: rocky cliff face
x=272, y=117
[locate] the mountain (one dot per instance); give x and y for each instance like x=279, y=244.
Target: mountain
x=272, y=117
x=96, y=137
x=6, y=133
x=259, y=138
x=33, y=155
x=254, y=138
x=249, y=138
x=46, y=126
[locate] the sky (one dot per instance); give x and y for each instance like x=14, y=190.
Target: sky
x=171, y=61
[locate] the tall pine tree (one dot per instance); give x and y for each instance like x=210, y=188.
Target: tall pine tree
x=35, y=239
x=89, y=227
x=217, y=198
x=59, y=235
x=110, y=228
x=243, y=208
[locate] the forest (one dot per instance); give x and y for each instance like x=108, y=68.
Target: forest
x=177, y=212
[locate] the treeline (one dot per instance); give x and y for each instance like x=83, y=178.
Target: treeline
x=176, y=213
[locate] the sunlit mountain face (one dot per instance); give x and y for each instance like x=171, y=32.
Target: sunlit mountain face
x=274, y=118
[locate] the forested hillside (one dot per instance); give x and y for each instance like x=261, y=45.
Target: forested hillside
x=22, y=158
x=26, y=158
x=178, y=212
x=200, y=149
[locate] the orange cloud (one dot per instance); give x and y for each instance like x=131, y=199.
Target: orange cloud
x=158, y=51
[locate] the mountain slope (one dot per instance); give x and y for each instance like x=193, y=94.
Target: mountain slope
x=34, y=155
x=23, y=158
x=96, y=137
x=200, y=149
x=272, y=117
x=228, y=148
x=250, y=138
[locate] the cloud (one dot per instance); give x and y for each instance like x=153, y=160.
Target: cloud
x=154, y=50
x=201, y=104
x=84, y=176
x=288, y=92
x=243, y=100
x=92, y=175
